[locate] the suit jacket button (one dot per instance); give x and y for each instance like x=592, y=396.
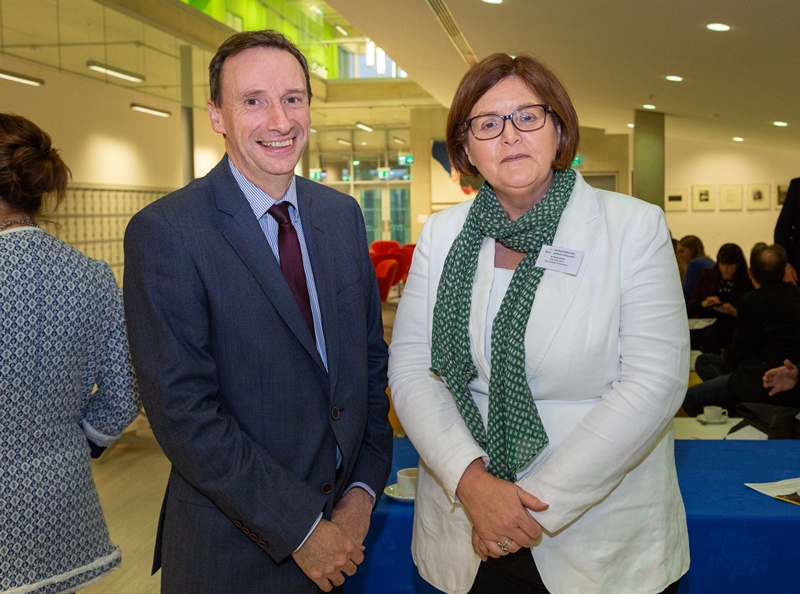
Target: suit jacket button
x=334, y=413
x=262, y=544
x=327, y=488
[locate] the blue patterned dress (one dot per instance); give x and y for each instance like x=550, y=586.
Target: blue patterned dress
x=62, y=332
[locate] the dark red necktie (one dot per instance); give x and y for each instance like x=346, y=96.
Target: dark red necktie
x=292, y=259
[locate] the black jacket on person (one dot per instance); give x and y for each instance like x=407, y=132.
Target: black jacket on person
x=767, y=332
x=787, y=229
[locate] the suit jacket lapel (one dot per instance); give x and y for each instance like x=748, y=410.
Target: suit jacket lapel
x=245, y=236
x=320, y=251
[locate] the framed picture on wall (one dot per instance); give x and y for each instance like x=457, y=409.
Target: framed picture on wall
x=758, y=196
x=731, y=196
x=782, y=191
x=704, y=197
x=676, y=200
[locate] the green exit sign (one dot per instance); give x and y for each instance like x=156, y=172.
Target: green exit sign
x=384, y=172
x=577, y=161
x=315, y=174
x=405, y=159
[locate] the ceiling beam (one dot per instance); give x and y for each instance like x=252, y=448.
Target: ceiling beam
x=175, y=18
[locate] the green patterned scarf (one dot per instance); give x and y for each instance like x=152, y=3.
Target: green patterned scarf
x=515, y=431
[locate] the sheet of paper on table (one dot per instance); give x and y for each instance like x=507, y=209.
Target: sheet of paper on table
x=747, y=432
x=700, y=323
x=787, y=490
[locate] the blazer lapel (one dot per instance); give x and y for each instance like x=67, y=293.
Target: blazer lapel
x=245, y=236
x=578, y=230
x=319, y=239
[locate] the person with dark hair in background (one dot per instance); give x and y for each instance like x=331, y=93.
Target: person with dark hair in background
x=717, y=294
x=256, y=332
x=787, y=230
x=539, y=354
x=691, y=252
x=767, y=334
x=67, y=389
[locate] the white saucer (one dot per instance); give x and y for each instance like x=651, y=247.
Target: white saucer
x=392, y=492
x=702, y=419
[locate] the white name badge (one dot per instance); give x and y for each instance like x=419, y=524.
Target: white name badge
x=560, y=259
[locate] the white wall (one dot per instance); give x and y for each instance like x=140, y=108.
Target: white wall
x=100, y=138
x=691, y=163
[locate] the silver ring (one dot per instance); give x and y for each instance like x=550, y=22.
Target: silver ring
x=504, y=545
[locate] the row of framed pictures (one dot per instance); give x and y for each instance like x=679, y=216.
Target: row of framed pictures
x=730, y=196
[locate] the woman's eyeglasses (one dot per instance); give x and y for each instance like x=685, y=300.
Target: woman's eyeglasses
x=525, y=119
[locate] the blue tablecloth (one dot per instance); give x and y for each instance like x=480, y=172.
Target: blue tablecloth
x=741, y=541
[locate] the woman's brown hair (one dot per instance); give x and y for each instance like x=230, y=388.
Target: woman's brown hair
x=539, y=78
x=694, y=245
x=30, y=168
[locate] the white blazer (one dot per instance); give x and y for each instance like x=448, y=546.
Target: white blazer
x=607, y=360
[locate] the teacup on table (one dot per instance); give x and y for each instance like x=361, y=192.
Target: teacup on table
x=715, y=414
x=407, y=482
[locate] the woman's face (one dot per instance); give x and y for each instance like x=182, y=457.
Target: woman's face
x=728, y=270
x=684, y=254
x=517, y=164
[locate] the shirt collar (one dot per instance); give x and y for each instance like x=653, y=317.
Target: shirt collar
x=258, y=199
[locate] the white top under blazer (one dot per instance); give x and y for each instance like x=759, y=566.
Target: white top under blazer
x=607, y=360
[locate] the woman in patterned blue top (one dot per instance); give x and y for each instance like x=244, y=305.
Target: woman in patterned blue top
x=62, y=333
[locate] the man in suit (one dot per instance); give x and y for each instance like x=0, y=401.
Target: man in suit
x=767, y=333
x=255, y=329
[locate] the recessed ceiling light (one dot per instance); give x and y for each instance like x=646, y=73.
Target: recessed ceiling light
x=114, y=71
x=398, y=140
x=344, y=142
x=21, y=78
x=363, y=144
x=675, y=78
x=648, y=106
x=150, y=110
x=364, y=127
x=356, y=163
x=312, y=130
x=341, y=30
x=780, y=124
x=630, y=125
x=738, y=139
x=718, y=27
x=493, y=1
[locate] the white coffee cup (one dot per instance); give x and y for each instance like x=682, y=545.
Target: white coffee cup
x=407, y=482
x=715, y=413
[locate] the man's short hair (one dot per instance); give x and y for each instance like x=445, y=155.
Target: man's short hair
x=768, y=265
x=247, y=40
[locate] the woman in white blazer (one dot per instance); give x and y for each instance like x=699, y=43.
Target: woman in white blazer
x=539, y=353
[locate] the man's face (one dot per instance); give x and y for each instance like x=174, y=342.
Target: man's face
x=265, y=116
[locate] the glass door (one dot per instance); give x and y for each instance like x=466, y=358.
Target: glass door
x=386, y=211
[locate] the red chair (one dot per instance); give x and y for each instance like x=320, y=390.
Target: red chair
x=386, y=272
x=383, y=246
x=380, y=257
x=408, y=249
x=404, y=259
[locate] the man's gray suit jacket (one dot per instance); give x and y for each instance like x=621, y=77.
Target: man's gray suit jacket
x=235, y=389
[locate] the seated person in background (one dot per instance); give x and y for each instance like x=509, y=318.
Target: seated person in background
x=767, y=334
x=780, y=379
x=717, y=295
x=693, y=255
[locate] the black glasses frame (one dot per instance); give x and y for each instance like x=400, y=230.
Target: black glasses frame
x=510, y=117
